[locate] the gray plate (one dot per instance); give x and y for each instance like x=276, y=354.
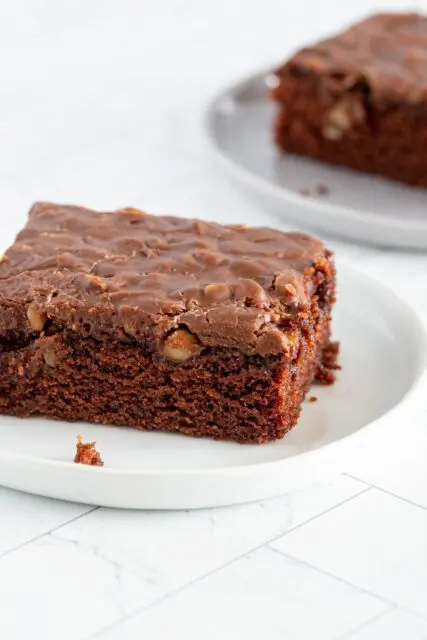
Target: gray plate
x=357, y=207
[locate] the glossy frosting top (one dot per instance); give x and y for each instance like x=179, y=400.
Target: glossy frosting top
x=140, y=276
x=387, y=52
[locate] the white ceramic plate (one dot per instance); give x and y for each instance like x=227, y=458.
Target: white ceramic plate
x=383, y=359
x=357, y=207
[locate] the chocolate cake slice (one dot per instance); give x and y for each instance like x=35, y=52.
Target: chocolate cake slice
x=359, y=99
x=162, y=323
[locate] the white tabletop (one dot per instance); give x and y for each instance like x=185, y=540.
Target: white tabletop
x=101, y=104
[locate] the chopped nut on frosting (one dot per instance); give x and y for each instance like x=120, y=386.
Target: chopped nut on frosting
x=344, y=115
x=36, y=318
x=180, y=345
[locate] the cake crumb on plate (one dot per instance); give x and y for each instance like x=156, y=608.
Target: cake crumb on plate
x=87, y=453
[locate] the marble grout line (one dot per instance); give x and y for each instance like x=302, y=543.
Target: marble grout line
x=207, y=575
x=373, y=594
x=48, y=532
x=386, y=491
x=363, y=625
x=289, y=556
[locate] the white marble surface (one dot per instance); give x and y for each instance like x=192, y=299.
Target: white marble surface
x=101, y=103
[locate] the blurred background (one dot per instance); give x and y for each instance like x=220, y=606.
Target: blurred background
x=102, y=101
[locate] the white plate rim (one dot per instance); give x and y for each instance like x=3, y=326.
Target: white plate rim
x=265, y=187
x=254, y=469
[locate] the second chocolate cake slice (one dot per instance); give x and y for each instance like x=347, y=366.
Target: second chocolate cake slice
x=162, y=323
x=359, y=99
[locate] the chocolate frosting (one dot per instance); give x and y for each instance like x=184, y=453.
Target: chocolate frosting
x=134, y=276
x=386, y=52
